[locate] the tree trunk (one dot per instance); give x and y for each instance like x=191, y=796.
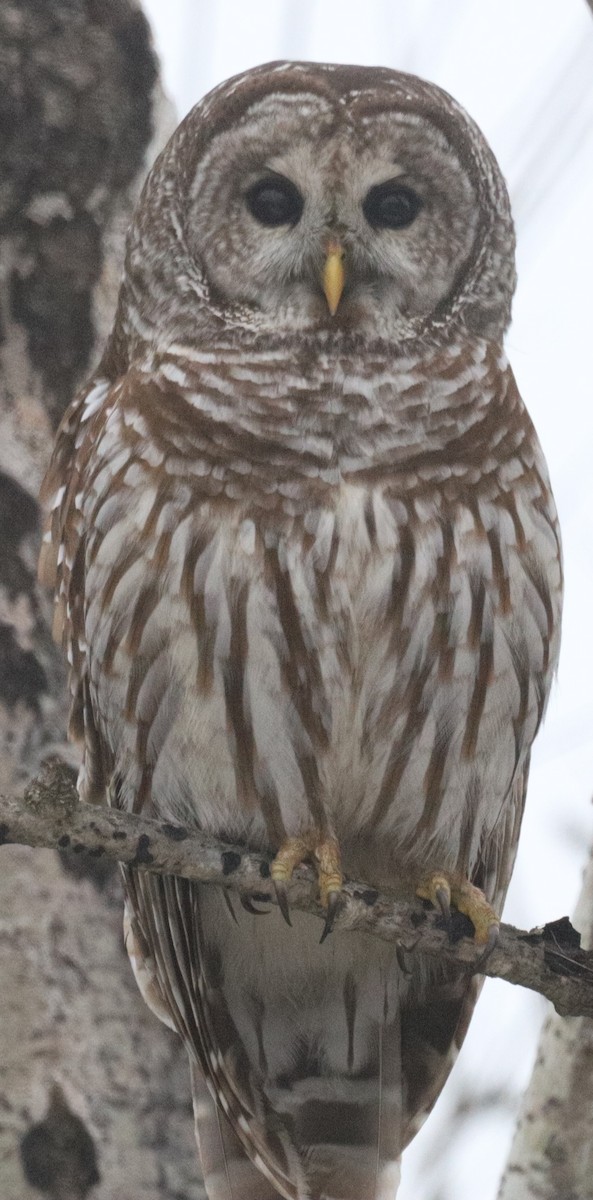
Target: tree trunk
x=94, y=1092
x=91, y=1085
x=552, y=1153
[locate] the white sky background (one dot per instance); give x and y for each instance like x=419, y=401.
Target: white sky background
x=524, y=70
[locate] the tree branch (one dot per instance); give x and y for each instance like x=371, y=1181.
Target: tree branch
x=549, y=960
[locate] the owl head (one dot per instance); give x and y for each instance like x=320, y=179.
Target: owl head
x=304, y=198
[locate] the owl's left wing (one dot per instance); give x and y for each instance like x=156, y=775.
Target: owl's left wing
x=434, y=1028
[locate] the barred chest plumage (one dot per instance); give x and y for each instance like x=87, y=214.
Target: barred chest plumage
x=339, y=605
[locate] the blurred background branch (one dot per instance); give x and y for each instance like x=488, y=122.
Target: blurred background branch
x=552, y=1152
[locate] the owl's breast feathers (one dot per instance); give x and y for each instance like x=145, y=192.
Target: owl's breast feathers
x=336, y=600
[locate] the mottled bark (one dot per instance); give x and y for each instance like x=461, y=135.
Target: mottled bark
x=552, y=1152
x=77, y=110
x=94, y=1092
x=77, y=1042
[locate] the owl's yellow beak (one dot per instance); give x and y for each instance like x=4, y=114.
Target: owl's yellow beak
x=334, y=275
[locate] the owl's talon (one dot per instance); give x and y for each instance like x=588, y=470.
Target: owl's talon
x=230, y=906
x=324, y=853
x=334, y=904
x=290, y=854
x=249, y=907
x=282, y=898
x=443, y=899
x=492, y=942
x=444, y=888
x=402, y=960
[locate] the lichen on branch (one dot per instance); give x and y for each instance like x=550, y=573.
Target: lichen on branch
x=547, y=960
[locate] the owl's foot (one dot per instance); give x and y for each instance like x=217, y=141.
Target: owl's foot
x=324, y=853
x=444, y=888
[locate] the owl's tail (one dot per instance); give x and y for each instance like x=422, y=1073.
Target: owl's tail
x=229, y=1173
x=312, y=1064
x=311, y=1038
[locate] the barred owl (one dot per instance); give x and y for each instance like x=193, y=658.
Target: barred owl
x=308, y=578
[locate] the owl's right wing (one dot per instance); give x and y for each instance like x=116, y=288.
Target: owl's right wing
x=62, y=567
x=181, y=975
x=172, y=960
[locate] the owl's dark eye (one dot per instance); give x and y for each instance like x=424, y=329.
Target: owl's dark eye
x=391, y=205
x=274, y=200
